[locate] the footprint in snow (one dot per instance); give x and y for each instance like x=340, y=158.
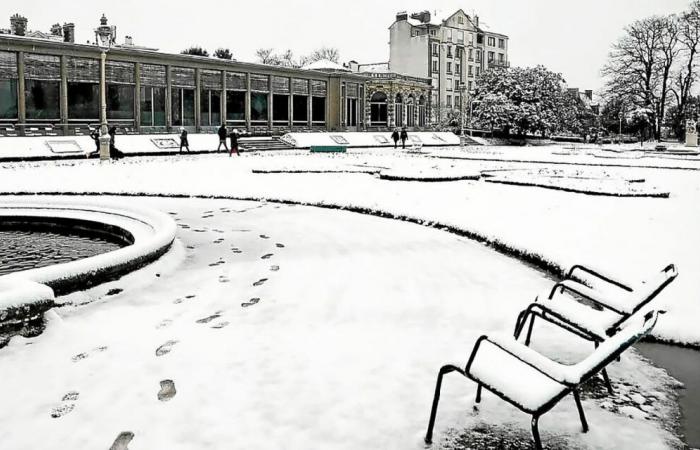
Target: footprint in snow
x=274, y=268
x=164, y=324
x=85, y=355
x=260, y=282
x=268, y=256
x=66, y=406
x=279, y=245
x=224, y=279
x=236, y=250
x=253, y=301
x=210, y=318
x=122, y=441
x=220, y=325
x=114, y=291
x=165, y=348
x=262, y=236
x=167, y=390
x=219, y=241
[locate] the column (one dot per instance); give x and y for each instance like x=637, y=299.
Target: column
x=63, y=94
x=104, y=137
x=21, y=97
x=197, y=100
x=137, y=97
x=291, y=105
x=309, y=107
x=247, y=102
x=168, y=98
x=269, y=103
x=223, y=97
x=391, y=107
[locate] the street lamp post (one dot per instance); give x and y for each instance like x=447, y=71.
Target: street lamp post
x=104, y=132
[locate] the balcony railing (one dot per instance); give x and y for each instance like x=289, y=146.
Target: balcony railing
x=499, y=64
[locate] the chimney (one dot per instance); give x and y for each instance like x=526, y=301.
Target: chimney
x=354, y=66
x=422, y=17
x=128, y=41
x=18, y=24
x=589, y=94
x=56, y=30
x=401, y=16
x=476, y=19
x=69, y=32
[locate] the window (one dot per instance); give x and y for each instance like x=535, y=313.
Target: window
x=449, y=101
x=471, y=71
x=318, y=106
x=351, y=112
x=120, y=102
x=492, y=56
x=435, y=50
x=152, y=106
x=449, y=51
x=41, y=99
x=280, y=108
x=478, y=56
x=470, y=86
x=478, y=71
x=471, y=54
x=210, y=108
x=459, y=53
x=456, y=85
x=458, y=70
x=479, y=38
x=460, y=36
x=449, y=85
x=8, y=99
x=84, y=101
x=182, y=107
x=501, y=43
x=492, y=41
x=258, y=107
x=421, y=111
x=378, y=109
x=299, y=103
x=460, y=20
x=414, y=33
x=501, y=57
x=235, y=106
x=449, y=67
x=398, y=110
x=435, y=67
x=458, y=103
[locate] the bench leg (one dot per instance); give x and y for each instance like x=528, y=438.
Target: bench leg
x=606, y=378
x=529, y=330
x=581, y=414
x=536, y=432
x=522, y=318
x=478, y=393
x=436, y=399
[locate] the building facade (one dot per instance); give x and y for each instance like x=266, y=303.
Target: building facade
x=452, y=52
x=50, y=84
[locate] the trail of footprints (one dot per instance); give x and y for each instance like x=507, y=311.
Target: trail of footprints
x=167, y=389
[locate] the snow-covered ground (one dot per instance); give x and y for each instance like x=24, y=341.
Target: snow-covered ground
x=274, y=326
x=630, y=238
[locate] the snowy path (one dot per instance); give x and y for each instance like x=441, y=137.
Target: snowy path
x=295, y=327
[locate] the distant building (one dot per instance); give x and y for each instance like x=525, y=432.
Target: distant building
x=452, y=52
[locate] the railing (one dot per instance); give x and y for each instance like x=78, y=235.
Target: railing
x=396, y=76
x=499, y=64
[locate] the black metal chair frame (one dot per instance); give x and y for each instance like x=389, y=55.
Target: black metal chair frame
x=570, y=388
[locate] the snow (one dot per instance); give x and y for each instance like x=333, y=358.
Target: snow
x=21, y=292
x=340, y=350
x=368, y=139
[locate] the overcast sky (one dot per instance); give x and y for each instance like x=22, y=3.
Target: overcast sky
x=571, y=37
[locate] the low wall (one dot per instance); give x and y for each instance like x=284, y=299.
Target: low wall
x=369, y=139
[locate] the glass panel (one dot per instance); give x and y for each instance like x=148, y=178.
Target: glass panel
x=8, y=99
x=84, y=101
x=280, y=108
x=204, y=108
x=188, y=107
x=146, y=106
x=159, y=106
x=176, y=106
x=215, y=108
x=120, y=102
x=235, y=105
x=300, y=108
x=42, y=99
x=318, y=107
x=258, y=106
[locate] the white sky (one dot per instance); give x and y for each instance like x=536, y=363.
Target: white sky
x=566, y=36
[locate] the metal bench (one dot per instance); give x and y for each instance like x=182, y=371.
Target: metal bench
x=534, y=383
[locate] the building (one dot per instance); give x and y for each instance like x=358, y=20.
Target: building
x=394, y=100
x=48, y=83
x=452, y=52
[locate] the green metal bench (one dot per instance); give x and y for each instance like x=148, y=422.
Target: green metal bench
x=328, y=149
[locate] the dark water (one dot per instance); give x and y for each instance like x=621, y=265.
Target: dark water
x=23, y=250
x=684, y=365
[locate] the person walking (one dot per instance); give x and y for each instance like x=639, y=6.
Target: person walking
x=395, y=136
x=113, y=151
x=404, y=137
x=234, y=143
x=183, y=140
x=222, y=138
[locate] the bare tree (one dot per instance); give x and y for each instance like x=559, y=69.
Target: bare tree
x=689, y=39
x=267, y=56
x=328, y=53
x=669, y=50
x=195, y=50
x=223, y=53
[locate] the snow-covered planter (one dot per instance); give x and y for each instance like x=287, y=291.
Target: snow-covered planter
x=582, y=181
x=433, y=174
x=22, y=303
x=149, y=232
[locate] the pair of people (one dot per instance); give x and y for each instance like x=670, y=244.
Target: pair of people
x=114, y=152
x=403, y=136
x=223, y=133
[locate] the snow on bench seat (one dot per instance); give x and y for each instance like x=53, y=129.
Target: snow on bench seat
x=594, y=321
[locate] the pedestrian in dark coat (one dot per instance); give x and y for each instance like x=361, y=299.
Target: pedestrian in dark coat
x=234, y=143
x=404, y=137
x=113, y=151
x=222, y=138
x=395, y=136
x=95, y=136
x=183, y=140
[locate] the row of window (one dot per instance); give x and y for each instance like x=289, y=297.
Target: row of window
x=42, y=100
x=492, y=42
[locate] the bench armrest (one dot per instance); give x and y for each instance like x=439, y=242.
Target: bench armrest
x=587, y=293
x=598, y=275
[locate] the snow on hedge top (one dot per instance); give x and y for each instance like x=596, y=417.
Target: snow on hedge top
x=15, y=293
